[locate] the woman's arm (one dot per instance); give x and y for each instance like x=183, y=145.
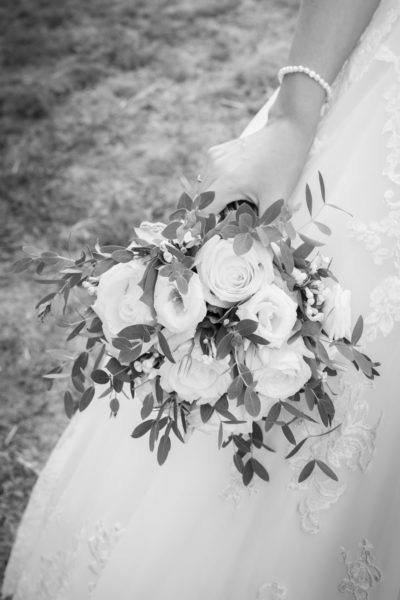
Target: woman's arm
x=326, y=33
x=267, y=164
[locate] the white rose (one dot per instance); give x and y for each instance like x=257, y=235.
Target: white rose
x=179, y=312
x=118, y=303
x=279, y=373
x=228, y=278
x=195, y=376
x=275, y=312
x=151, y=232
x=337, y=312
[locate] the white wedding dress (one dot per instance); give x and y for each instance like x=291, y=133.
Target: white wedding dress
x=105, y=521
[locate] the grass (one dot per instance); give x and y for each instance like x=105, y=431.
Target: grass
x=104, y=107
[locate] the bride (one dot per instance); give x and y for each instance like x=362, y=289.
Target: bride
x=105, y=521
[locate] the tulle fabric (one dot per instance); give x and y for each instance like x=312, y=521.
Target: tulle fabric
x=106, y=521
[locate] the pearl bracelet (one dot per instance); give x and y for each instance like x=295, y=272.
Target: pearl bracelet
x=310, y=73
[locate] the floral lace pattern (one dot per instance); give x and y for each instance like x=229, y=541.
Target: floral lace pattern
x=95, y=541
x=351, y=446
x=368, y=46
x=361, y=574
x=382, y=238
x=235, y=491
x=272, y=591
x=101, y=544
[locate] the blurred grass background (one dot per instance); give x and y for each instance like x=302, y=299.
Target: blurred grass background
x=104, y=106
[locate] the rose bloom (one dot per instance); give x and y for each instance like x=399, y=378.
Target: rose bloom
x=151, y=232
x=275, y=312
x=228, y=278
x=179, y=312
x=337, y=312
x=279, y=373
x=118, y=303
x=195, y=376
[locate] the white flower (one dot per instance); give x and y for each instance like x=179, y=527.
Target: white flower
x=195, y=376
x=299, y=276
x=118, y=303
x=151, y=232
x=319, y=261
x=279, y=373
x=228, y=278
x=337, y=312
x=275, y=312
x=179, y=312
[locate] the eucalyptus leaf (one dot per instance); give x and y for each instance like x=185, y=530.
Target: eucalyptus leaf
x=86, y=398
x=288, y=433
x=309, y=199
x=322, y=186
x=147, y=406
x=205, y=199
x=185, y=201
x=171, y=230
x=142, y=428
x=323, y=228
x=259, y=469
x=248, y=472
x=252, y=402
x=238, y=462
x=69, y=405
x=246, y=327
x=165, y=346
x=206, y=411
x=357, y=331
x=242, y=243
x=122, y=256
x=296, y=448
x=101, y=377
x=273, y=416
x=272, y=212
x=309, y=241
x=306, y=471
x=327, y=470
x=164, y=447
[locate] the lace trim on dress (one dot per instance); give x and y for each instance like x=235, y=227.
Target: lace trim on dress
x=368, y=46
x=235, y=491
x=40, y=507
x=362, y=573
x=53, y=575
x=382, y=238
x=351, y=446
x=272, y=591
x=101, y=543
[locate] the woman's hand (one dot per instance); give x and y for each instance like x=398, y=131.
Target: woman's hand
x=260, y=168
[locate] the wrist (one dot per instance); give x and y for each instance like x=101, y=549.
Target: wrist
x=299, y=100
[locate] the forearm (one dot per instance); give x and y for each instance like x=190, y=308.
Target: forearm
x=326, y=33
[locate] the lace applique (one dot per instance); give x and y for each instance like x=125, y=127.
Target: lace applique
x=382, y=238
x=235, y=491
x=272, y=591
x=52, y=575
x=351, y=446
x=368, y=46
x=101, y=544
x=362, y=573
x=40, y=507
x=92, y=545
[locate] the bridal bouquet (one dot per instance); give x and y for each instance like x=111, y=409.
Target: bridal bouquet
x=232, y=323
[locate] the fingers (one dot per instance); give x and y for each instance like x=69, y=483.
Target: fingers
x=219, y=173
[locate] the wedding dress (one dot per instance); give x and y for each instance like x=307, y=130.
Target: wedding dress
x=105, y=521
